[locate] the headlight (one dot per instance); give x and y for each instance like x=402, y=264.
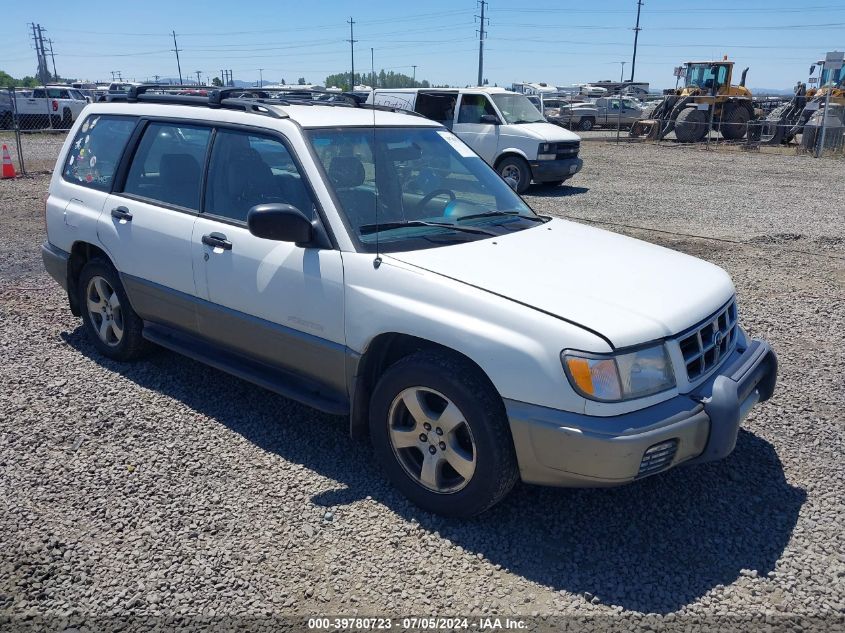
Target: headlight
x=546, y=148
x=615, y=377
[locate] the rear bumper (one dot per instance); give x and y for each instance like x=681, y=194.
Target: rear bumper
x=567, y=449
x=554, y=170
x=55, y=262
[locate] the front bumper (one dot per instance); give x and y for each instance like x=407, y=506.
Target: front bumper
x=560, y=448
x=554, y=170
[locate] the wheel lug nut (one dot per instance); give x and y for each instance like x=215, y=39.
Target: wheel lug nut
x=427, y=426
x=423, y=437
x=442, y=446
x=439, y=431
x=432, y=450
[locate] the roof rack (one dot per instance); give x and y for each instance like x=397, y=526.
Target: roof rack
x=224, y=98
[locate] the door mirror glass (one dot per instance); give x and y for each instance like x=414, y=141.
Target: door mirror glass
x=280, y=222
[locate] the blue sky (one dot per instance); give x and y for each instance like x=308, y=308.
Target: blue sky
x=560, y=42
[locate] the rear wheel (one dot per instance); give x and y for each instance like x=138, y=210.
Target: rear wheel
x=440, y=431
x=515, y=171
x=586, y=124
x=735, y=118
x=108, y=318
x=691, y=125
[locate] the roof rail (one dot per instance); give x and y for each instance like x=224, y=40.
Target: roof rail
x=214, y=98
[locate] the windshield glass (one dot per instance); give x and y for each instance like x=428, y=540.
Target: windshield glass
x=517, y=109
x=707, y=76
x=387, y=181
x=835, y=77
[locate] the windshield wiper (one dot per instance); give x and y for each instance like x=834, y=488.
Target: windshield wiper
x=518, y=121
x=367, y=229
x=492, y=214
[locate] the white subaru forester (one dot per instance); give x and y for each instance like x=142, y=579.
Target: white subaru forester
x=368, y=263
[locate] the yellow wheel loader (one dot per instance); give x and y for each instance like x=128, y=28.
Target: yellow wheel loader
x=687, y=111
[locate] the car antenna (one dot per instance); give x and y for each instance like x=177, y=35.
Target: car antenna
x=377, y=260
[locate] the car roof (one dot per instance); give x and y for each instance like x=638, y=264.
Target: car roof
x=307, y=116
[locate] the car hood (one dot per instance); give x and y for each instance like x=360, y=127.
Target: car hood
x=543, y=132
x=627, y=290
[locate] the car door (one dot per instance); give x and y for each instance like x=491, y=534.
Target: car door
x=481, y=136
x=146, y=225
x=272, y=301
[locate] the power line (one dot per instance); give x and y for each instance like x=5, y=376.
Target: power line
x=481, y=34
x=352, y=41
x=176, y=50
x=636, y=37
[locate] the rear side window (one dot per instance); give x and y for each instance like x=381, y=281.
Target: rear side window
x=96, y=151
x=248, y=169
x=167, y=167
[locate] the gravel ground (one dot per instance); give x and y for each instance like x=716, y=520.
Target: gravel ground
x=169, y=491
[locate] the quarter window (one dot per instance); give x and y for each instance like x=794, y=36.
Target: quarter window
x=167, y=167
x=248, y=169
x=96, y=151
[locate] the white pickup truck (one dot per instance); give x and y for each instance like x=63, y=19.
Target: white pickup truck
x=51, y=106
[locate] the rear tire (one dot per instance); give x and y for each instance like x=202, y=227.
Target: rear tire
x=586, y=124
x=112, y=325
x=431, y=410
x=691, y=125
x=516, y=168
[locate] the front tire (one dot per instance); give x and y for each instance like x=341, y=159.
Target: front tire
x=691, y=125
x=515, y=169
x=108, y=318
x=440, y=430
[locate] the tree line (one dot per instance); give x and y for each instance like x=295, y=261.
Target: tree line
x=381, y=79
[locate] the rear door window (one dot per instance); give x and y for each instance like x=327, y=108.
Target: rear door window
x=96, y=151
x=168, y=164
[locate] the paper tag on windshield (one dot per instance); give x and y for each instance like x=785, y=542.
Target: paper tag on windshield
x=457, y=143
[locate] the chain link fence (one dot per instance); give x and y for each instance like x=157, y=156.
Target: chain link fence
x=774, y=124
x=34, y=123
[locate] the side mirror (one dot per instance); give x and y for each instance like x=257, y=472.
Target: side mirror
x=280, y=222
x=490, y=119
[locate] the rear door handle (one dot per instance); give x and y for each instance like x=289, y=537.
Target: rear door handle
x=122, y=214
x=217, y=240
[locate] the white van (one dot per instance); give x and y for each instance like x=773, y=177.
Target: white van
x=503, y=127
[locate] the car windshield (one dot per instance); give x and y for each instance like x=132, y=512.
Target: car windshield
x=412, y=188
x=517, y=109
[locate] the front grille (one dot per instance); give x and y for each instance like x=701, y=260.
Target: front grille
x=658, y=457
x=710, y=342
x=566, y=149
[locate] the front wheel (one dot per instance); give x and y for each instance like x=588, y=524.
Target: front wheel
x=515, y=171
x=440, y=431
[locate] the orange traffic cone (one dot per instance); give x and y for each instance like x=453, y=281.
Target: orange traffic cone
x=8, y=167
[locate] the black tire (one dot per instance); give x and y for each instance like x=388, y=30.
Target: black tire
x=516, y=167
x=131, y=344
x=735, y=118
x=67, y=119
x=586, y=124
x=495, y=470
x=691, y=125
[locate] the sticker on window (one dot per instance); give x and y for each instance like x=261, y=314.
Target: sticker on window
x=458, y=145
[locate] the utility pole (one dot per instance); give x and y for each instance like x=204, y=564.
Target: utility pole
x=481, y=35
x=372, y=67
x=637, y=30
x=156, y=77
x=53, y=57
x=414, y=78
x=352, y=41
x=231, y=80
x=176, y=50
x=622, y=75
x=198, y=73
x=260, y=77
x=38, y=38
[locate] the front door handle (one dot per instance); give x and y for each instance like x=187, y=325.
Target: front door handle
x=122, y=214
x=217, y=240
